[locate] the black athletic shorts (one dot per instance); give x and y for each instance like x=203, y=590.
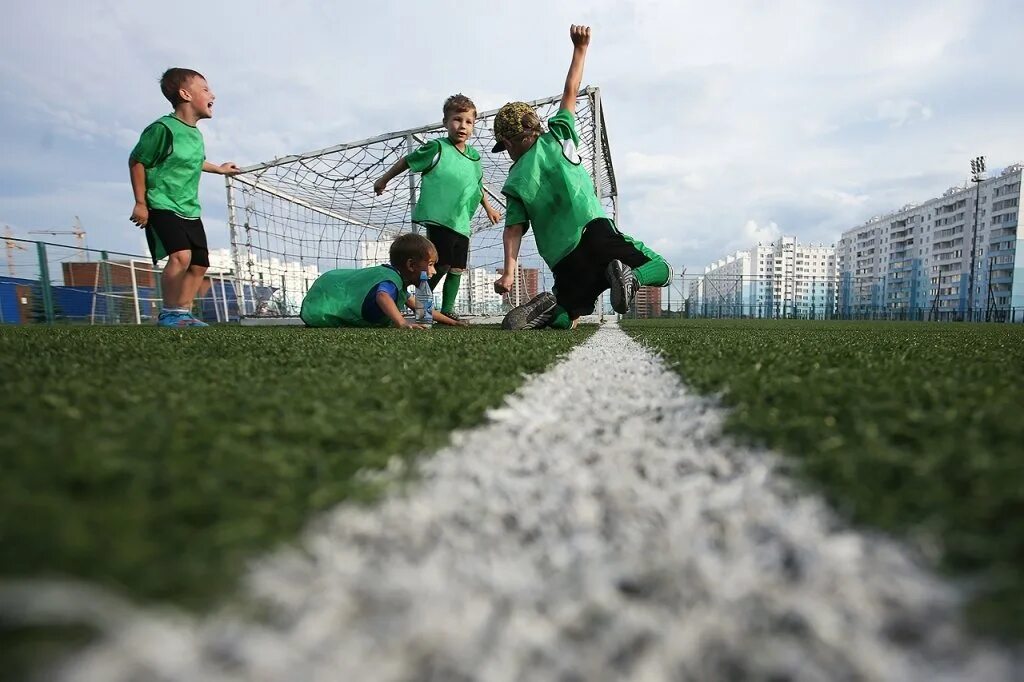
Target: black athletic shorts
x=580, y=278
x=452, y=247
x=177, y=234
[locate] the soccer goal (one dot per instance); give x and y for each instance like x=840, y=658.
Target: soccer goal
x=295, y=217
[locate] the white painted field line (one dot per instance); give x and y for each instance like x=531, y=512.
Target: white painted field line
x=596, y=528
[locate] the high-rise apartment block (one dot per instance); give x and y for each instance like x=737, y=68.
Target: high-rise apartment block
x=916, y=262
x=781, y=279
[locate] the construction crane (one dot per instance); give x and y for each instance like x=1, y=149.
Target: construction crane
x=76, y=230
x=11, y=246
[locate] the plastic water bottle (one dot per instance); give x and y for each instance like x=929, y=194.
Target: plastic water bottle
x=424, y=300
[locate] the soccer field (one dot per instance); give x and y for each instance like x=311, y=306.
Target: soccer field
x=908, y=427
x=156, y=463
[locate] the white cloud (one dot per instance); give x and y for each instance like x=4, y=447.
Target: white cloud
x=639, y=166
x=727, y=122
x=900, y=112
x=842, y=198
x=754, y=234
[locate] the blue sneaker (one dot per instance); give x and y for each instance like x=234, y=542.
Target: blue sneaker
x=172, y=318
x=193, y=322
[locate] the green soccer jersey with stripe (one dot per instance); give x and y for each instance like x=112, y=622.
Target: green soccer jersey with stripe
x=549, y=189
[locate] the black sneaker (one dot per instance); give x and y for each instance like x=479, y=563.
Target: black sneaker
x=454, y=315
x=624, y=285
x=535, y=314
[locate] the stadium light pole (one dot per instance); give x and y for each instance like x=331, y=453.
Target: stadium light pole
x=682, y=286
x=977, y=175
x=670, y=291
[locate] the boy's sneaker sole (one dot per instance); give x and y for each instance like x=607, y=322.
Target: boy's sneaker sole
x=532, y=315
x=623, y=285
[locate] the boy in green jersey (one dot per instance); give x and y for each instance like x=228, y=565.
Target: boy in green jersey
x=450, y=191
x=373, y=296
x=548, y=188
x=165, y=167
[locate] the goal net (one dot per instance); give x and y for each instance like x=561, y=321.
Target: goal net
x=296, y=217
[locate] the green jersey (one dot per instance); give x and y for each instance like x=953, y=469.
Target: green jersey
x=336, y=297
x=172, y=153
x=452, y=185
x=549, y=188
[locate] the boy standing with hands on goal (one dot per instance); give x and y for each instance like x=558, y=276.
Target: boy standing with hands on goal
x=549, y=189
x=450, y=191
x=165, y=167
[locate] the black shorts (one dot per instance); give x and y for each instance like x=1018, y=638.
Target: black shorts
x=177, y=234
x=580, y=276
x=452, y=247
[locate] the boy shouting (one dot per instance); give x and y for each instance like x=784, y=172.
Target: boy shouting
x=165, y=167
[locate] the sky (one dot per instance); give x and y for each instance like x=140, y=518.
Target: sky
x=729, y=124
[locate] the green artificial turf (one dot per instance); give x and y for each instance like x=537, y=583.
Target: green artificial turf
x=158, y=461
x=911, y=427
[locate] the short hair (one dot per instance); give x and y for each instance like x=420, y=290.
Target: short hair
x=457, y=104
x=531, y=123
x=410, y=245
x=174, y=80
x=512, y=120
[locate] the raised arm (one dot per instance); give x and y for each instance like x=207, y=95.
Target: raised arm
x=580, y=36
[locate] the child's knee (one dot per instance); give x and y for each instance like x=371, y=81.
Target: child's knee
x=180, y=260
x=456, y=271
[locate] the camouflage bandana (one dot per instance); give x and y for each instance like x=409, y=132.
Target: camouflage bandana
x=508, y=123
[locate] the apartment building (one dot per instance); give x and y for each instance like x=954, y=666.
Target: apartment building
x=784, y=278
x=916, y=262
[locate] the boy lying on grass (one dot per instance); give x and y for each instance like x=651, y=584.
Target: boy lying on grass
x=373, y=296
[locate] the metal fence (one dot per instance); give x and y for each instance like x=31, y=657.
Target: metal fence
x=810, y=312
x=848, y=298
x=47, y=283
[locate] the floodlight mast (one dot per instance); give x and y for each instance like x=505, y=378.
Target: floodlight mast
x=977, y=177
